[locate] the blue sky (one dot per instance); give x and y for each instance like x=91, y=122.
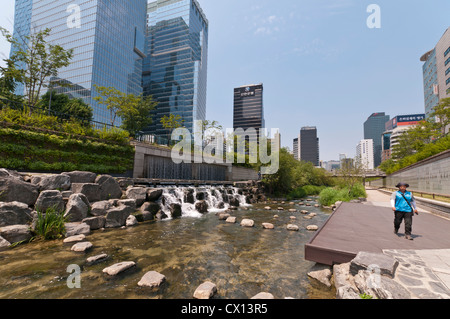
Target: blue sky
x=319, y=62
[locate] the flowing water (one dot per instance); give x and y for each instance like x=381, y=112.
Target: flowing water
x=188, y=251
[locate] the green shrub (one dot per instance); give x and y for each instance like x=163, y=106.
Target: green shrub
x=50, y=225
x=331, y=195
x=313, y=189
x=297, y=193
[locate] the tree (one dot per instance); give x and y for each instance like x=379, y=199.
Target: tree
x=138, y=117
x=66, y=108
x=171, y=123
x=34, y=61
x=442, y=115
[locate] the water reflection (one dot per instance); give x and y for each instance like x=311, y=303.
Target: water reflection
x=188, y=251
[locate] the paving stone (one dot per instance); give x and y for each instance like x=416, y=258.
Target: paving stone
x=409, y=281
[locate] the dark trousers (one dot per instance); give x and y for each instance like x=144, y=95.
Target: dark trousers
x=408, y=217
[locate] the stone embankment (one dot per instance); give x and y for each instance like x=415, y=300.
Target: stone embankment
x=91, y=202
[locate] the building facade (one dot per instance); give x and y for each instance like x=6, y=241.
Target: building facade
x=248, y=109
x=107, y=38
x=394, y=128
x=365, y=154
x=373, y=130
x=436, y=73
x=175, y=67
x=309, y=145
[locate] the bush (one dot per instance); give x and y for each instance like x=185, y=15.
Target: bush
x=331, y=195
x=50, y=225
x=296, y=194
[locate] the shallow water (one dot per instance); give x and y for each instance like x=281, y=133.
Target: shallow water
x=188, y=251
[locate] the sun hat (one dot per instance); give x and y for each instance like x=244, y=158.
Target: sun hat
x=402, y=184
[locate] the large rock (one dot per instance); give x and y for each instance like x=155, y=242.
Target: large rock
x=153, y=194
x=131, y=221
x=101, y=208
x=73, y=229
x=201, y=206
x=341, y=275
x=96, y=222
x=117, y=216
x=14, y=213
x=189, y=196
x=91, y=191
x=323, y=276
x=109, y=187
x=150, y=207
x=234, y=202
x=380, y=287
x=81, y=177
x=205, y=291
x=77, y=208
x=16, y=233
x=119, y=267
x=377, y=262
x=10, y=174
x=152, y=279
x=4, y=244
x=50, y=199
x=175, y=210
x=59, y=182
x=139, y=194
x=16, y=190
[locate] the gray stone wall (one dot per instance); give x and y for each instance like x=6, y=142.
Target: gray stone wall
x=431, y=175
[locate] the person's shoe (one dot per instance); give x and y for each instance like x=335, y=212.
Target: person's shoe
x=408, y=237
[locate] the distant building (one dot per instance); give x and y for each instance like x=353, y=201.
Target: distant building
x=248, y=110
x=394, y=128
x=373, y=128
x=365, y=155
x=296, y=148
x=307, y=145
x=436, y=73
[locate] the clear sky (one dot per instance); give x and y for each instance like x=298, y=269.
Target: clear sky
x=319, y=62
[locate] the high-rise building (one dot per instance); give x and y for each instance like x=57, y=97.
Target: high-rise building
x=296, y=149
x=107, y=38
x=175, y=69
x=365, y=154
x=308, y=145
x=249, y=109
x=436, y=73
x=373, y=129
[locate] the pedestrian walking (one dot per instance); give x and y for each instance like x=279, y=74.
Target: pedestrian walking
x=404, y=207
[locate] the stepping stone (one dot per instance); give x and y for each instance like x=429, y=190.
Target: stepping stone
x=247, y=223
x=152, y=279
x=275, y=216
x=263, y=295
x=292, y=227
x=224, y=216
x=231, y=220
x=267, y=208
x=81, y=247
x=96, y=259
x=74, y=239
x=304, y=212
x=205, y=290
x=292, y=210
x=292, y=217
x=312, y=227
x=268, y=226
x=119, y=267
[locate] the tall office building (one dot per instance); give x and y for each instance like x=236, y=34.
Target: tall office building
x=175, y=69
x=373, y=129
x=365, y=154
x=107, y=38
x=249, y=108
x=308, y=145
x=436, y=73
x=296, y=149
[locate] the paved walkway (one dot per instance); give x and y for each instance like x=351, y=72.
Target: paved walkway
x=424, y=273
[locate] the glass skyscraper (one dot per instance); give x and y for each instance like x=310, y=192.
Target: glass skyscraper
x=175, y=69
x=107, y=37
x=374, y=127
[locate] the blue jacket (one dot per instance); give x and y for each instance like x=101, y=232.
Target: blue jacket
x=399, y=202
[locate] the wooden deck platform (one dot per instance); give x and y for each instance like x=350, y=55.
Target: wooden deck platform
x=355, y=227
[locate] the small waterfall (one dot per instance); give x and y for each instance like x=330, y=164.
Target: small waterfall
x=217, y=198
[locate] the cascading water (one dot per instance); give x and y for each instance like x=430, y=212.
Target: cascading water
x=217, y=199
